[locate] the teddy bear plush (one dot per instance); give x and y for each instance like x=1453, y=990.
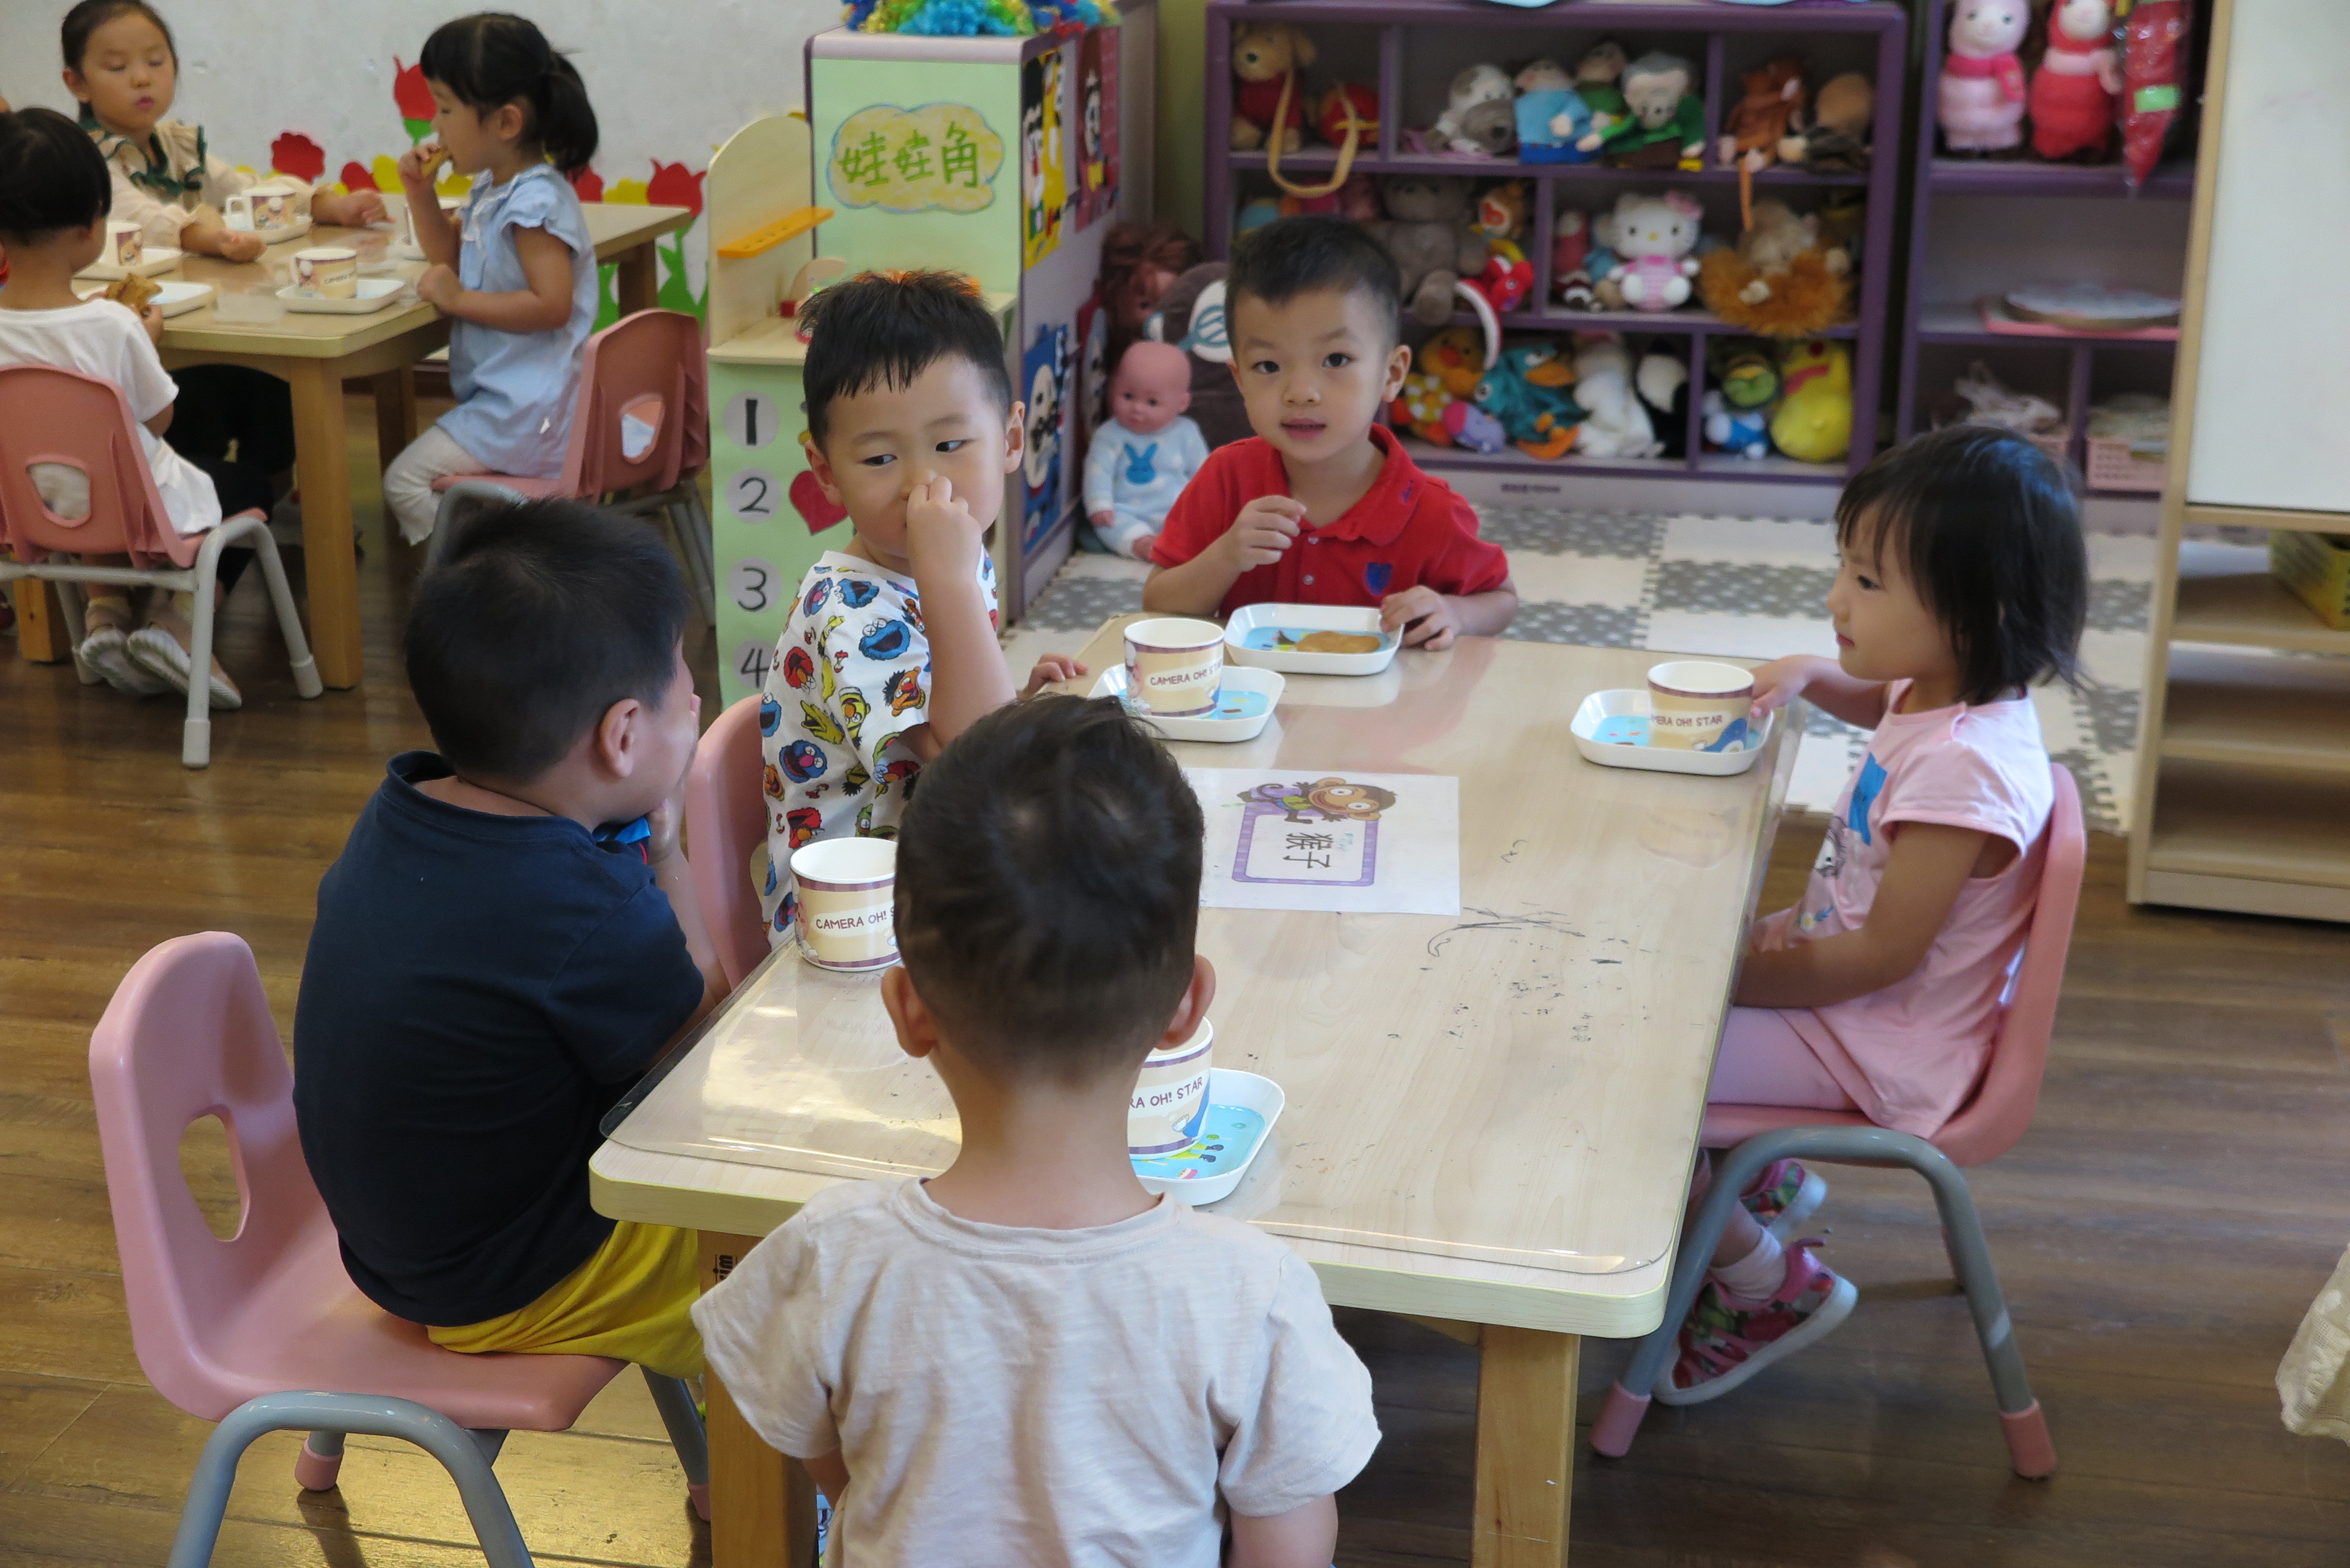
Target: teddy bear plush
x=1427, y=231
x=1479, y=84
x=1653, y=237
x=1264, y=54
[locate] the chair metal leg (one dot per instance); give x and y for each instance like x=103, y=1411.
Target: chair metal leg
x=376, y=1415
x=2025, y=1428
x=490, y=1440
x=196, y=739
x=289, y=618
x=319, y=1462
x=687, y=1434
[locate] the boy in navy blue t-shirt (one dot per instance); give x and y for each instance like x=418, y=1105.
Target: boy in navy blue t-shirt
x=497, y=956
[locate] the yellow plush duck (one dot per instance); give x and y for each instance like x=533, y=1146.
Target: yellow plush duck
x=1814, y=422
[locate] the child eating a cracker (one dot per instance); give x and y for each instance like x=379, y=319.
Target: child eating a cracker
x=1323, y=506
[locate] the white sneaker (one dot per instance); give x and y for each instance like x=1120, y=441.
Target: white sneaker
x=105, y=650
x=160, y=654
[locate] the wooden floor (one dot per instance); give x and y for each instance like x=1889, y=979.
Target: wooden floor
x=2177, y=1204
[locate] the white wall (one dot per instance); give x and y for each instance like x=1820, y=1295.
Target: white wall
x=669, y=81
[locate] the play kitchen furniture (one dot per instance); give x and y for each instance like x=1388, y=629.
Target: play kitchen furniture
x=244, y=324
x=1530, y=1074
x=2243, y=761
x=1412, y=48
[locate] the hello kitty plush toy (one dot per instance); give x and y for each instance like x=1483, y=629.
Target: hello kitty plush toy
x=1653, y=237
x=1981, y=100
x=2078, y=85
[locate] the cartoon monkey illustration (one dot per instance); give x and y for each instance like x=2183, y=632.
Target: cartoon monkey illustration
x=1330, y=799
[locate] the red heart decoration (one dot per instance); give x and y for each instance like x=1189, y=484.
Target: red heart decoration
x=817, y=510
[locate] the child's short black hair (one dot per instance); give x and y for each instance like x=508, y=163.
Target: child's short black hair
x=1989, y=531
x=89, y=16
x=884, y=329
x=533, y=622
x=1048, y=889
x=1291, y=256
x=493, y=58
x=51, y=177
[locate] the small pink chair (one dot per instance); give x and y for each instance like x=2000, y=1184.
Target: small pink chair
x=244, y=1331
x=643, y=420
x=49, y=415
x=725, y=820
x=1987, y=1126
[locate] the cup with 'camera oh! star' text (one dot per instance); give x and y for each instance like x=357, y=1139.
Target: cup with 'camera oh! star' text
x=847, y=887
x=1174, y=666
x=1697, y=705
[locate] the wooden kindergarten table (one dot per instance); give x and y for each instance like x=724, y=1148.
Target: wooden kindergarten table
x=1490, y=1116
x=316, y=354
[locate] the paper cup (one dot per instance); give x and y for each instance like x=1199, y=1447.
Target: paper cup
x=263, y=212
x=408, y=217
x=125, y=244
x=1170, y=1098
x=846, y=886
x=1173, y=666
x=1694, y=702
x=330, y=272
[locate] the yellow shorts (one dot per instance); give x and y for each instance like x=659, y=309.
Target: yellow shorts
x=631, y=1301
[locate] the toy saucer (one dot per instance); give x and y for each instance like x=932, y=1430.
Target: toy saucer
x=374, y=294
x=1266, y=636
x=1611, y=728
x=172, y=298
x=1244, y=704
x=1241, y=1110
x=154, y=261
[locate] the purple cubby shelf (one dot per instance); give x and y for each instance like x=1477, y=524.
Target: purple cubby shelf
x=2074, y=221
x=1414, y=47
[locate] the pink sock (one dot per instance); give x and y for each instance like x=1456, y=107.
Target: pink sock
x=1756, y=1277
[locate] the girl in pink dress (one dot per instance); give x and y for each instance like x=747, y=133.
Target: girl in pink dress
x=1962, y=580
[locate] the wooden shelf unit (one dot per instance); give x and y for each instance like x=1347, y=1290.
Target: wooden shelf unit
x=2242, y=798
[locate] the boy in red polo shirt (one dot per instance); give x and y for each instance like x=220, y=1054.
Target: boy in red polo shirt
x=1323, y=506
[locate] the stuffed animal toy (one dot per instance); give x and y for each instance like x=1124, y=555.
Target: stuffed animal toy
x=1508, y=276
x=1190, y=314
x=1814, y=423
x=1456, y=358
x=1616, y=422
x=1357, y=198
x=1427, y=232
x=1531, y=391
x=2078, y=85
x=1653, y=237
x=1738, y=410
x=1774, y=237
x=1265, y=56
x=1478, y=84
x=1662, y=380
x=1552, y=116
x=1980, y=101
x=1760, y=120
x=1832, y=138
x=1667, y=125
x=2155, y=60
x=1256, y=213
x=1599, y=81
x=1808, y=297
x=1488, y=129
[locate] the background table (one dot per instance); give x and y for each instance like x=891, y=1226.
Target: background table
x=315, y=354
x=1490, y=1116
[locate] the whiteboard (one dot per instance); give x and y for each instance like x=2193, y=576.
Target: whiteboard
x=2272, y=424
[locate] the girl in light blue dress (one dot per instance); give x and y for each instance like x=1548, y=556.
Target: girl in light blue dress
x=515, y=272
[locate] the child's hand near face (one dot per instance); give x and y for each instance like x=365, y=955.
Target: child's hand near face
x=1265, y=529
x=941, y=536
x=1427, y=618
x=416, y=167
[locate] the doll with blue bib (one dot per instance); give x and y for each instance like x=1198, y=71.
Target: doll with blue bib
x=1145, y=453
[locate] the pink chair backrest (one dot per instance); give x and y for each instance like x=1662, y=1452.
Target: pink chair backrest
x=650, y=368
x=53, y=415
x=188, y=1035
x=725, y=819
x=2003, y=1106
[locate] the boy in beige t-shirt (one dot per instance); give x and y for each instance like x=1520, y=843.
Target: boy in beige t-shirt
x=1029, y=1358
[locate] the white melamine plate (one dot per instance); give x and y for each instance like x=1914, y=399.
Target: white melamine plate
x=1202, y=1172
x=1255, y=635
x=1245, y=700
x=154, y=261
x=1611, y=728
x=374, y=294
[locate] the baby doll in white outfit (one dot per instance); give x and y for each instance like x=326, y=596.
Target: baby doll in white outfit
x=1141, y=460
